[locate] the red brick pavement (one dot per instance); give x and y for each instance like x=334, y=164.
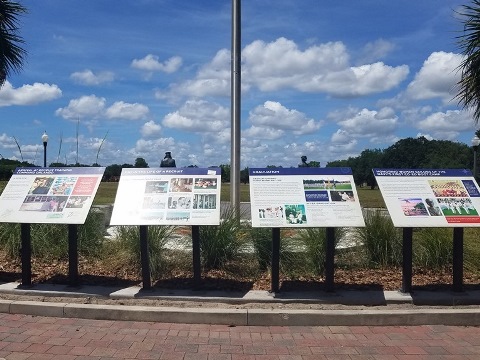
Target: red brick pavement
x=37, y=338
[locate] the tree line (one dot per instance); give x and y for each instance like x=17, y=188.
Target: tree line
x=408, y=153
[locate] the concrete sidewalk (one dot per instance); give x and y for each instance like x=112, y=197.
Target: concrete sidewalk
x=347, y=308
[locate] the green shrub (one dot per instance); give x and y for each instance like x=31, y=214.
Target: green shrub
x=128, y=238
x=314, y=241
x=262, y=246
x=381, y=240
x=432, y=247
x=220, y=244
x=10, y=239
x=50, y=241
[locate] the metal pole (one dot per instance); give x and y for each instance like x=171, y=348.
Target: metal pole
x=275, y=285
x=26, y=255
x=147, y=283
x=330, y=259
x=457, y=259
x=197, y=266
x=407, y=260
x=73, y=254
x=235, y=106
x=44, y=154
x=475, y=148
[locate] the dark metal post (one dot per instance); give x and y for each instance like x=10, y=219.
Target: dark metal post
x=73, y=254
x=235, y=106
x=275, y=287
x=26, y=255
x=458, y=259
x=147, y=283
x=197, y=271
x=407, y=260
x=330, y=259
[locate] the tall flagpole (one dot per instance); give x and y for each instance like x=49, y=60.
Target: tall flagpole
x=235, y=106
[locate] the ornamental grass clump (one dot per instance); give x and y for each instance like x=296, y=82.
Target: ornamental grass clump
x=127, y=246
x=380, y=239
x=220, y=244
x=50, y=241
x=433, y=247
x=314, y=241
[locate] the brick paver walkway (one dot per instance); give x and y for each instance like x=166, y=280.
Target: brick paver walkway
x=30, y=337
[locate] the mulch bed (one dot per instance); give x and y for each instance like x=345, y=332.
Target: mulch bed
x=98, y=273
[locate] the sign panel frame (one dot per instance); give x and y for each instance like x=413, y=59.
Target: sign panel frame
x=168, y=196
x=430, y=197
x=304, y=197
x=56, y=195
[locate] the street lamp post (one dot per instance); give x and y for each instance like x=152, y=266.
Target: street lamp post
x=45, y=140
x=475, y=144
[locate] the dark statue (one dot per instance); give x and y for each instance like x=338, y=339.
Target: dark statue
x=304, y=162
x=168, y=161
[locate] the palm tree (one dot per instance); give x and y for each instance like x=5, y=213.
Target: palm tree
x=11, y=52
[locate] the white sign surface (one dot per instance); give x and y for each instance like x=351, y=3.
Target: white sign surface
x=430, y=197
x=304, y=197
x=168, y=196
x=50, y=195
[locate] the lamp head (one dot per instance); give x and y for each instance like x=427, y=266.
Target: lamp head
x=45, y=137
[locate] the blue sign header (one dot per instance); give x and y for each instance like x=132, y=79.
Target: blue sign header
x=423, y=172
x=300, y=171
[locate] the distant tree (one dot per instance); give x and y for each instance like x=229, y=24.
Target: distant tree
x=12, y=54
x=192, y=166
x=140, y=163
x=409, y=153
x=112, y=172
x=244, y=176
x=273, y=166
x=469, y=84
x=368, y=160
x=314, y=164
x=225, y=172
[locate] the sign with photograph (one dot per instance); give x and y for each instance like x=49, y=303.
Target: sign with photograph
x=430, y=197
x=304, y=197
x=168, y=196
x=50, y=195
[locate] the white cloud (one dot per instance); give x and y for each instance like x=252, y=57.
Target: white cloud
x=370, y=123
x=446, y=125
x=28, y=94
x=92, y=107
x=376, y=50
x=150, y=128
x=319, y=68
x=199, y=116
x=272, y=119
x=151, y=63
x=126, y=111
x=281, y=64
x=436, y=78
x=87, y=77
x=83, y=107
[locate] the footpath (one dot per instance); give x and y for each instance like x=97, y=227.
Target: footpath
x=259, y=308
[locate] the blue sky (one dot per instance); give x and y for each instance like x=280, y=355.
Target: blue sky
x=326, y=79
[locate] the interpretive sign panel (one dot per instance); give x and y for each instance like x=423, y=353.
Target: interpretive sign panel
x=430, y=197
x=50, y=195
x=304, y=197
x=168, y=196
